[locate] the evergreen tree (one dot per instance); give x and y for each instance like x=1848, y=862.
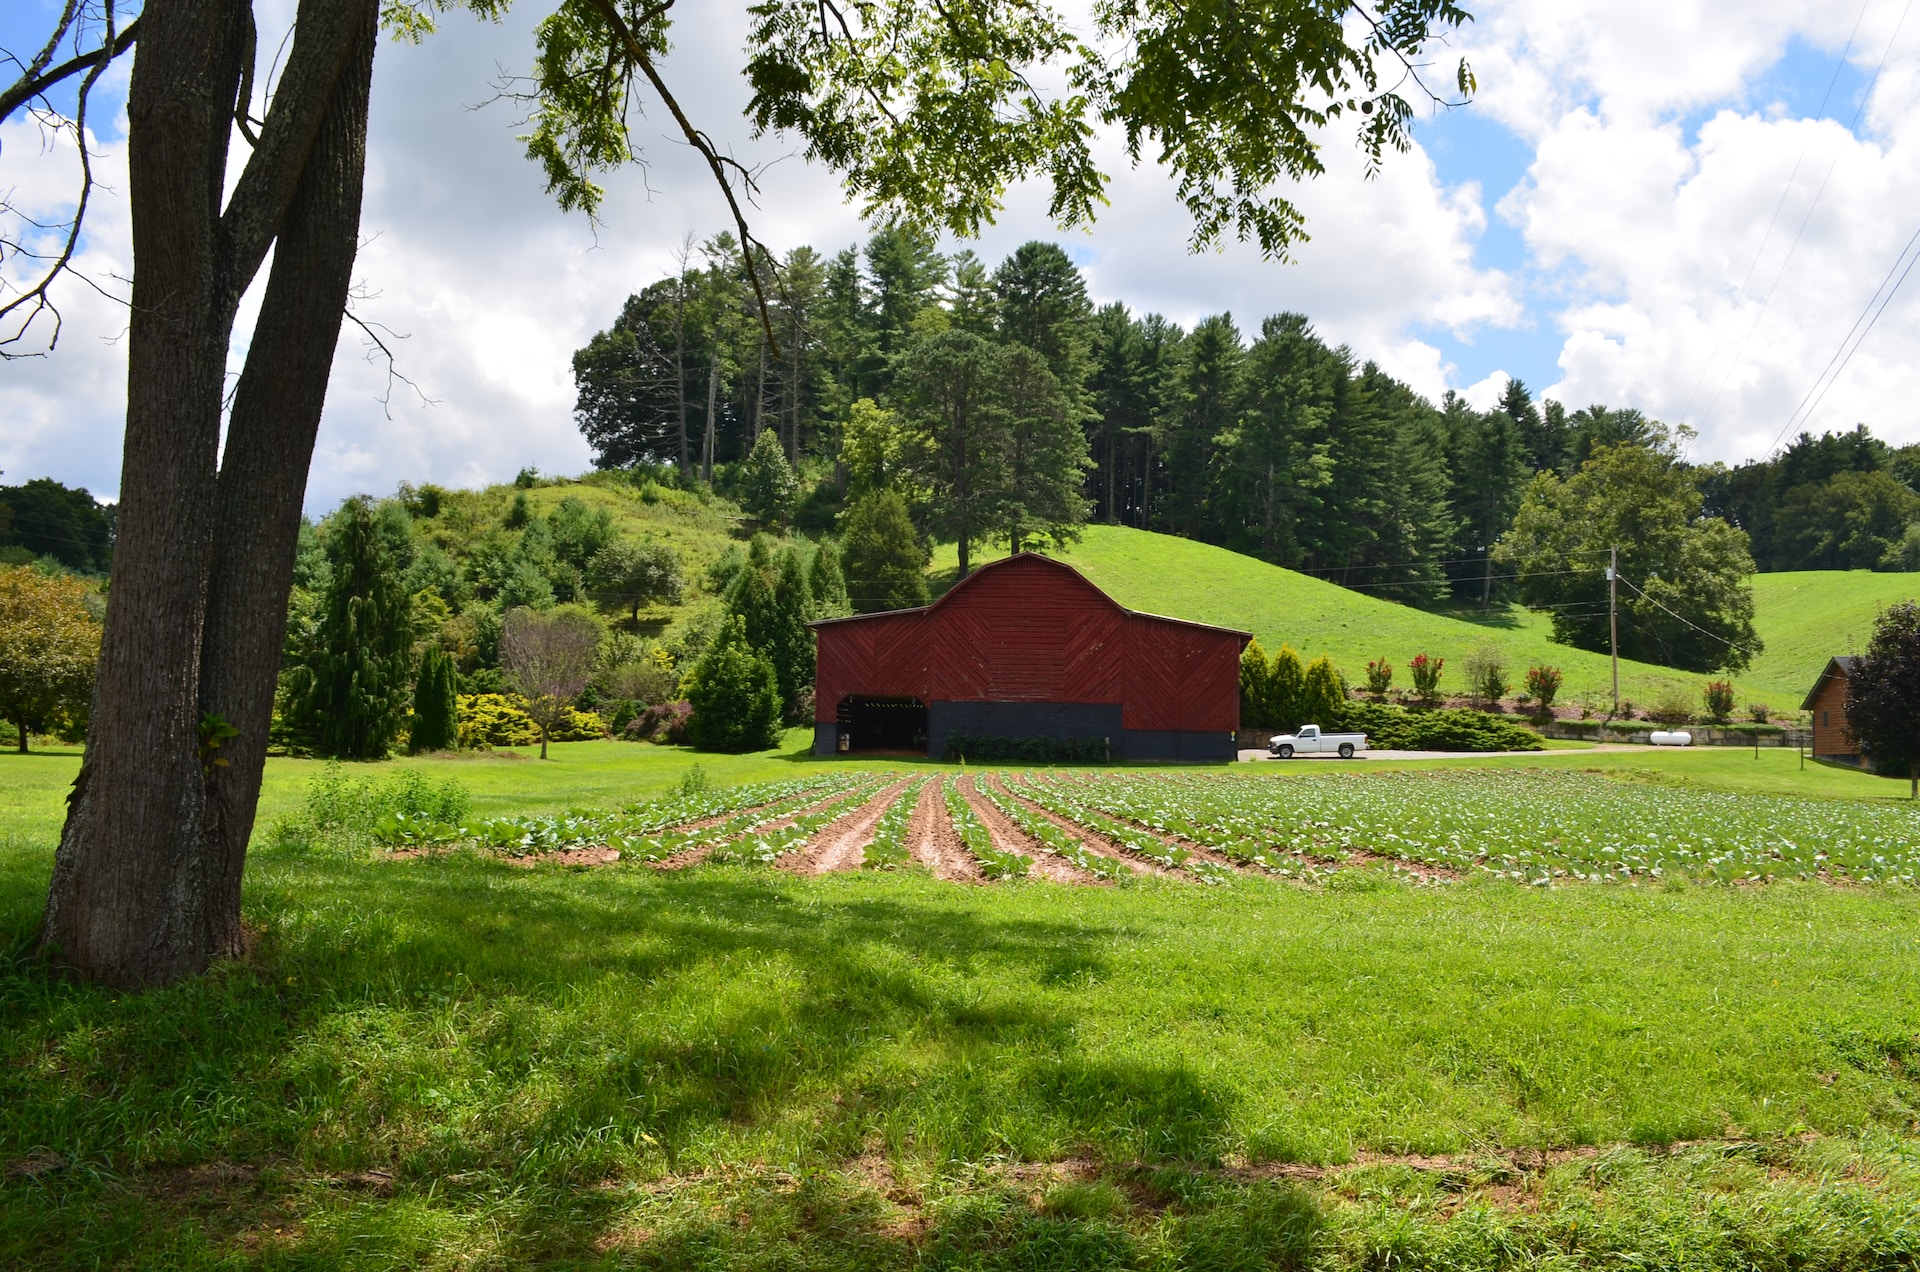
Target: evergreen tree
x=1042, y=304
x=767, y=483
x=1207, y=403
x=950, y=391
x=1046, y=457
x=1487, y=470
x=358, y=671
x=1273, y=471
x=734, y=693
x=1323, y=695
x=971, y=303
x=790, y=645
x=828, y=583
x=1121, y=398
x=1287, y=707
x=1256, y=688
x=886, y=564
x=436, y=720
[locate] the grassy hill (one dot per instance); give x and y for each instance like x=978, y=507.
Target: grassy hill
x=1803, y=617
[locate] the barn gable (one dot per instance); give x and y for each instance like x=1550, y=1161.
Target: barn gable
x=1027, y=646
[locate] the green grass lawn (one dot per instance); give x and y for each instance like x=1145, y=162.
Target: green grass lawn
x=1804, y=618
x=457, y=1062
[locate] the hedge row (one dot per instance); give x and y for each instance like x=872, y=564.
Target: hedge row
x=1393, y=728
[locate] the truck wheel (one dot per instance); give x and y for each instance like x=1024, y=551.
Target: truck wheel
x=1285, y=753
x=1346, y=750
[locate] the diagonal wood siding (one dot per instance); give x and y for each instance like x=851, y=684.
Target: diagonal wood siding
x=1030, y=629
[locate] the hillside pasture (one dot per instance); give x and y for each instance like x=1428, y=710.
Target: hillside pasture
x=1804, y=618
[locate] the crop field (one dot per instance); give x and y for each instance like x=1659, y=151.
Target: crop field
x=626, y=1010
x=1532, y=826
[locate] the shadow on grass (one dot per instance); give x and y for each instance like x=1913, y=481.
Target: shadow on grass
x=551, y=1034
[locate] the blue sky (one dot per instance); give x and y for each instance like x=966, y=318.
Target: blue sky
x=1584, y=225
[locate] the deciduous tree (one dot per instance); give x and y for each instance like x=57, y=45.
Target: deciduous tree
x=1883, y=695
x=48, y=645
x=549, y=658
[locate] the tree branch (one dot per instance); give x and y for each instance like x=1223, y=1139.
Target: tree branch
x=716, y=162
x=32, y=85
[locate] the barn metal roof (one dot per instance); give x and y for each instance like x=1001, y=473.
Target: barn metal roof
x=957, y=588
x=1838, y=663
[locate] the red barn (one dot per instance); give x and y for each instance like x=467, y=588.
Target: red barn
x=1027, y=647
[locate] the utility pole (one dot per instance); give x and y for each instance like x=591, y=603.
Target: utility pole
x=1613, y=620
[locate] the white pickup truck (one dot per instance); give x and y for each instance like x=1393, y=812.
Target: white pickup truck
x=1310, y=741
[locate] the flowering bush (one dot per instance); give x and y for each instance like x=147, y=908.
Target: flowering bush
x=1379, y=676
x=1426, y=676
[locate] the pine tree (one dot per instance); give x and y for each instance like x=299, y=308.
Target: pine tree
x=358, y=670
x=1323, y=695
x=436, y=721
x=790, y=644
x=767, y=483
x=828, y=583
x=1256, y=688
x=886, y=563
x=734, y=693
x=1287, y=705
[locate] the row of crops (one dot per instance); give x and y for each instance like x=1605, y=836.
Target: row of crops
x=1534, y=827
x=1531, y=826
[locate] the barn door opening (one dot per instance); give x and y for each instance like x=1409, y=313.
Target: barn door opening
x=883, y=724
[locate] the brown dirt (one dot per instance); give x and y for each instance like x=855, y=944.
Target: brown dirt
x=933, y=841
x=1094, y=841
x=694, y=856
x=838, y=846
x=1046, y=865
x=1199, y=852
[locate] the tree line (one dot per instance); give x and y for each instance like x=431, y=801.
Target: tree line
x=1004, y=407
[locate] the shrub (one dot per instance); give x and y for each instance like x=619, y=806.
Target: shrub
x=1256, y=688
x=1324, y=695
x=664, y=723
x=338, y=803
x=734, y=694
x=1718, y=696
x=1394, y=728
x=1426, y=676
x=1379, y=677
x=983, y=748
x=1487, y=674
x=1287, y=689
x=1673, y=706
x=494, y=719
x=1542, y=684
x=1760, y=712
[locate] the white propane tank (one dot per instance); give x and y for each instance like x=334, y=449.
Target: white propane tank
x=1673, y=737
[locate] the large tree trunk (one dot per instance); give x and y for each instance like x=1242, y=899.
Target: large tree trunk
x=263, y=473
x=145, y=885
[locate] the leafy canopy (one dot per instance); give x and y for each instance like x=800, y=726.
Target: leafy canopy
x=930, y=112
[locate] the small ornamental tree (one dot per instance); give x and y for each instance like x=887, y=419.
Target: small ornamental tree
x=359, y=669
x=1543, y=684
x=48, y=646
x=734, y=693
x=549, y=658
x=885, y=562
x=1883, y=695
x=1487, y=674
x=1426, y=676
x=1718, y=697
x=1287, y=690
x=436, y=717
x=633, y=573
x=767, y=483
x=1323, y=698
x=1256, y=688
x=1379, y=678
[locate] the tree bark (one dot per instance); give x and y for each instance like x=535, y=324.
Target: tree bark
x=263, y=475
x=145, y=886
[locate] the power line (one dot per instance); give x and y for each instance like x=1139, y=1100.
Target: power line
x=1840, y=64
x=1865, y=97
x=1837, y=371
x=1683, y=618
